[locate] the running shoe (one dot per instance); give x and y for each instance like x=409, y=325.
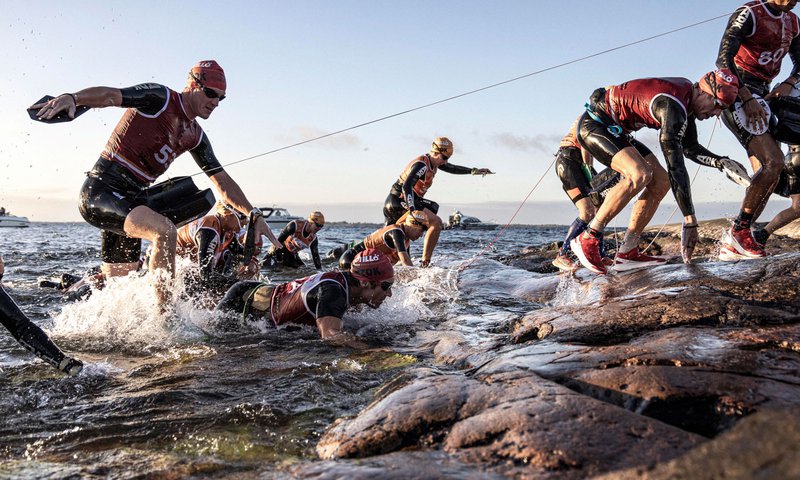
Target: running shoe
x=742, y=243
x=564, y=263
x=587, y=249
x=633, y=259
x=760, y=235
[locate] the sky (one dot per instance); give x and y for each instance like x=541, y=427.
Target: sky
x=300, y=69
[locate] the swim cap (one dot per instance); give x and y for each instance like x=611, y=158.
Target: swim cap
x=209, y=73
x=442, y=145
x=371, y=265
x=416, y=217
x=316, y=217
x=721, y=84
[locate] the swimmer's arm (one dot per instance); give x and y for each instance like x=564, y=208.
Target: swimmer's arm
x=315, y=254
x=287, y=231
x=696, y=152
x=330, y=328
x=398, y=241
x=740, y=26
x=673, y=125
x=459, y=170
x=207, y=242
x=233, y=195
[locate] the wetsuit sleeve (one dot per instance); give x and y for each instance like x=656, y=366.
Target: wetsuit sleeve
x=740, y=26
x=148, y=98
x=314, y=247
x=287, y=232
x=416, y=174
x=398, y=239
x=673, y=121
x=696, y=152
x=455, y=169
x=204, y=156
x=794, y=54
x=331, y=300
x=207, y=242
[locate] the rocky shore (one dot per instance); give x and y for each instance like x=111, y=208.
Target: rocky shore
x=679, y=371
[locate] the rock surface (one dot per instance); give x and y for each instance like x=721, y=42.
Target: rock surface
x=673, y=372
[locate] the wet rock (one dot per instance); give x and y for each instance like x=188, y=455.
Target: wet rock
x=618, y=373
x=765, y=445
x=513, y=421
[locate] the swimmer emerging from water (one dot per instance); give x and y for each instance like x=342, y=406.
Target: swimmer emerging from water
x=320, y=300
x=393, y=241
x=407, y=193
x=297, y=235
x=30, y=336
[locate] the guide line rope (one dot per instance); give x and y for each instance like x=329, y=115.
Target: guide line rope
x=477, y=90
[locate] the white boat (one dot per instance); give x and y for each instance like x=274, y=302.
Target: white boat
x=459, y=221
x=277, y=217
x=8, y=220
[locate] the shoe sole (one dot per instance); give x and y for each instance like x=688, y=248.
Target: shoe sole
x=578, y=251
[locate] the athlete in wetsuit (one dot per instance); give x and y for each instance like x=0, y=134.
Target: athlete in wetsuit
x=296, y=236
x=319, y=300
x=671, y=106
x=30, y=336
x=212, y=242
x=789, y=187
x=158, y=125
x=758, y=35
x=408, y=191
x=393, y=241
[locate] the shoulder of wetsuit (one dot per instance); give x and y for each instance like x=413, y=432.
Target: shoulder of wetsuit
x=61, y=117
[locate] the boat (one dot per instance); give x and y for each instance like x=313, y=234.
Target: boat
x=8, y=220
x=277, y=217
x=459, y=221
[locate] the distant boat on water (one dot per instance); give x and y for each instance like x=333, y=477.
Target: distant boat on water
x=459, y=221
x=277, y=217
x=8, y=220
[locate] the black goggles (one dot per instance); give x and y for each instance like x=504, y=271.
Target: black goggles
x=209, y=92
x=319, y=225
x=386, y=286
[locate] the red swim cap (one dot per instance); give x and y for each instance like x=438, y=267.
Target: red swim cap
x=371, y=265
x=721, y=84
x=209, y=73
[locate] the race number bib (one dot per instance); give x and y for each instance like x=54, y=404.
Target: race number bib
x=741, y=119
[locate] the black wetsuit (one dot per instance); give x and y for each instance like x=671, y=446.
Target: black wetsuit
x=327, y=299
x=740, y=26
x=33, y=338
x=111, y=191
x=216, y=275
x=678, y=138
x=402, y=197
x=288, y=259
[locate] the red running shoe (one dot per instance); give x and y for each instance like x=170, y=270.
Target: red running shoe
x=634, y=259
x=743, y=243
x=587, y=249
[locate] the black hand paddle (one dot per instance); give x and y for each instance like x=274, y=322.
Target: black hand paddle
x=61, y=117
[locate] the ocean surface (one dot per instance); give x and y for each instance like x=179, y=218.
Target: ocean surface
x=185, y=394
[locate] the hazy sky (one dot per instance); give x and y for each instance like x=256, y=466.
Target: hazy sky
x=302, y=68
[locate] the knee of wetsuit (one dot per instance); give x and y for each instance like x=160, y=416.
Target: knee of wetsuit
x=179, y=200
x=67, y=280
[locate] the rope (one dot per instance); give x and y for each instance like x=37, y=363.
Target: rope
x=497, y=237
x=477, y=90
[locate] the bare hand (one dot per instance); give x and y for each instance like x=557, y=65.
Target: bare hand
x=689, y=239
x=53, y=107
x=263, y=229
x=782, y=90
x=755, y=114
x=482, y=172
x=425, y=263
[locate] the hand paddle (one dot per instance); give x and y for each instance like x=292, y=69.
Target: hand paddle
x=61, y=117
